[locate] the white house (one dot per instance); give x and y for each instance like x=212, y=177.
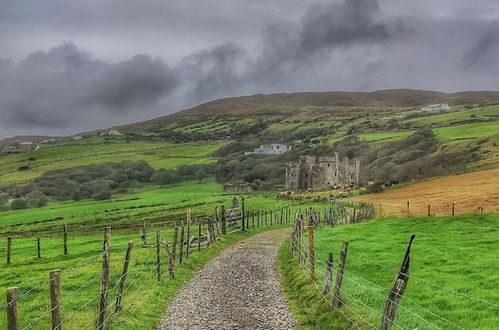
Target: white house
x=437, y=106
x=270, y=149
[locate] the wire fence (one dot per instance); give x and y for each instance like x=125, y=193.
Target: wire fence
x=364, y=302
x=82, y=288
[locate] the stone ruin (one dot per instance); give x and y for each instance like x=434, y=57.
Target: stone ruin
x=321, y=173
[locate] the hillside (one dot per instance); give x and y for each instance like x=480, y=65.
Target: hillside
x=468, y=191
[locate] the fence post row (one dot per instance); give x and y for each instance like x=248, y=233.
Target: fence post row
x=38, y=247
x=101, y=322
x=242, y=213
x=397, y=290
x=181, y=252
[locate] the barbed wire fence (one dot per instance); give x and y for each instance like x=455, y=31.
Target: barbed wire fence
x=114, y=282
x=363, y=303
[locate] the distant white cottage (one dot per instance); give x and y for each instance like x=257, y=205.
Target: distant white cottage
x=270, y=149
x=113, y=132
x=437, y=106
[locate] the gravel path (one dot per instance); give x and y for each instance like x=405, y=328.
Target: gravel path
x=239, y=289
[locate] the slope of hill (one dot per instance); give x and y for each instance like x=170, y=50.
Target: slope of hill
x=468, y=191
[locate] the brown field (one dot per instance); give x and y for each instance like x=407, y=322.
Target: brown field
x=468, y=192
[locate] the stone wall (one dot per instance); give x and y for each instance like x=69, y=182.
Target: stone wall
x=321, y=173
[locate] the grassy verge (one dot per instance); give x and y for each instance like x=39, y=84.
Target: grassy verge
x=309, y=307
x=453, y=269
x=144, y=300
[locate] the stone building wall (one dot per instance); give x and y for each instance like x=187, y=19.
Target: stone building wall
x=321, y=172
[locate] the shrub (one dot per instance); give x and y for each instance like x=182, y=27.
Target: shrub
x=376, y=187
x=36, y=199
x=18, y=204
x=4, y=198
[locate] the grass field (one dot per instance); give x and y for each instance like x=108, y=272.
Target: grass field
x=144, y=299
x=94, y=151
x=452, y=117
x=157, y=205
x=384, y=136
x=466, y=132
x=468, y=191
x=453, y=270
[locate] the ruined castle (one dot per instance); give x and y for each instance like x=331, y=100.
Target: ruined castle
x=312, y=172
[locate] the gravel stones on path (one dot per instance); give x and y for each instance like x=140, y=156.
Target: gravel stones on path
x=238, y=289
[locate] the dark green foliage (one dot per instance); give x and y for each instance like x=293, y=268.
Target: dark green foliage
x=94, y=181
x=18, y=204
x=376, y=187
x=4, y=198
x=36, y=199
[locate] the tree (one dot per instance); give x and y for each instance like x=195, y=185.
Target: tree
x=18, y=204
x=36, y=199
x=4, y=198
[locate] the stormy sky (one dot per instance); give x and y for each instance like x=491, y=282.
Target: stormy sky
x=68, y=66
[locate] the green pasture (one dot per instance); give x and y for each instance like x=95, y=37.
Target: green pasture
x=144, y=299
x=454, y=270
x=468, y=131
x=384, y=136
x=451, y=117
x=157, y=154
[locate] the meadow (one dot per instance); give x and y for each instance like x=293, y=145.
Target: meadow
x=144, y=299
x=98, y=150
x=452, y=277
x=468, y=191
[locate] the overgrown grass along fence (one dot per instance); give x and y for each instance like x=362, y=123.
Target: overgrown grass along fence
x=111, y=284
x=368, y=305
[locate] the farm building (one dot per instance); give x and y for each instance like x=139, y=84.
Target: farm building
x=312, y=172
x=270, y=149
x=438, y=106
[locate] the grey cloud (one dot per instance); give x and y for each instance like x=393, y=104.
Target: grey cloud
x=66, y=85
x=482, y=54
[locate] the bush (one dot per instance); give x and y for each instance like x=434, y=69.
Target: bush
x=36, y=199
x=375, y=188
x=18, y=204
x=4, y=198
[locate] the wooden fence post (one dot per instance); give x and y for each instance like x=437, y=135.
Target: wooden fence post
x=158, y=255
x=453, y=209
x=12, y=312
x=311, y=252
x=38, y=248
x=181, y=252
x=199, y=235
x=224, y=223
x=189, y=219
x=429, y=210
x=339, y=276
x=328, y=277
x=9, y=248
x=408, y=208
x=55, y=298
x=65, y=229
x=242, y=213
x=173, y=254
x=101, y=320
x=397, y=290
x=124, y=273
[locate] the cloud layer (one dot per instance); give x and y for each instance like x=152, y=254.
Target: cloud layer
x=343, y=45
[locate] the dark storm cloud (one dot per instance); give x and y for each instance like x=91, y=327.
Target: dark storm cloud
x=212, y=49
x=66, y=84
x=482, y=54
x=288, y=48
